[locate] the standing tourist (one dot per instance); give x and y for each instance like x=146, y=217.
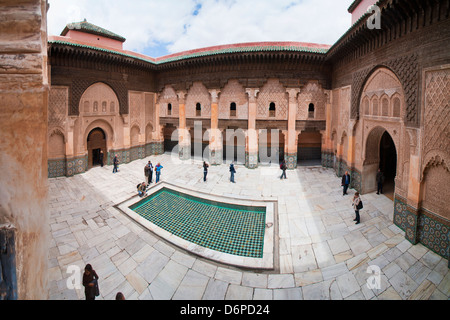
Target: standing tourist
x=232, y=171
x=357, y=205
x=148, y=171
x=90, y=283
x=205, y=170
x=380, y=180
x=283, y=168
x=158, y=168
x=345, y=182
x=100, y=158
x=116, y=163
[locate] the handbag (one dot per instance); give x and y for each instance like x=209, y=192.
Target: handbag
x=360, y=205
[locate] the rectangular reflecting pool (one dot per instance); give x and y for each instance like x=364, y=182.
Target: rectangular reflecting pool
x=235, y=231
x=229, y=228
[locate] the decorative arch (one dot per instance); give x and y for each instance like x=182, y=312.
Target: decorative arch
x=56, y=144
x=80, y=86
x=107, y=129
x=96, y=99
x=135, y=131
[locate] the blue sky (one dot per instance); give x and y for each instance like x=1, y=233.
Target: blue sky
x=161, y=27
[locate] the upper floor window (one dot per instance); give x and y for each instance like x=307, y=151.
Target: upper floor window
x=233, y=109
x=272, y=109
x=198, y=109
x=169, y=109
x=311, y=110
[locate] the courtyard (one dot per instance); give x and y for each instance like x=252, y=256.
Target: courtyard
x=320, y=252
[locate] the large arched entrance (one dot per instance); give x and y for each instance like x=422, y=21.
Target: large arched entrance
x=380, y=153
x=96, y=146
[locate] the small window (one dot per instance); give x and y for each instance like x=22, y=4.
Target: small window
x=169, y=109
x=198, y=109
x=311, y=110
x=233, y=109
x=272, y=109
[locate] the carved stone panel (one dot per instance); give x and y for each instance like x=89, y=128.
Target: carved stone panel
x=311, y=93
x=233, y=92
x=57, y=106
x=198, y=93
x=272, y=92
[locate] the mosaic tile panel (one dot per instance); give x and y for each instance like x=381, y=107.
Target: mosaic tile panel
x=355, y=179
x=232, y=229
x=251, y=160
x=76, y=165
x=405, y=219
x=291, y=160
x=433, y=234
x=56, y=168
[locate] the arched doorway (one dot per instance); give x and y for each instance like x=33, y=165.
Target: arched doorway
x=96, y=146
x=388, y=164
x=380, y=153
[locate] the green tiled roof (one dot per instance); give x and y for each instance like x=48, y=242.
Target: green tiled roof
x=91, y=28
x=200, y=53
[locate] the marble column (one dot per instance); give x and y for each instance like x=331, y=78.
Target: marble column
x=290, y=152
x=251, y=143
x=184, y=141
x=215, y=135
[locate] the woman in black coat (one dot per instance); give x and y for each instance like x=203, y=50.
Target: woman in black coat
x=90, y=284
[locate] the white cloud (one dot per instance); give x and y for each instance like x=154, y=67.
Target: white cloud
x=147, y=24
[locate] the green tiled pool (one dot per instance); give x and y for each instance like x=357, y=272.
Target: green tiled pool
x=228, y=228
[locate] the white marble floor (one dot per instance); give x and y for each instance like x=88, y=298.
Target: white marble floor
x=322, y=253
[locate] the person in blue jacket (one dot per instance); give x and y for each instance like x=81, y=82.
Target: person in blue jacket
x=158, y=168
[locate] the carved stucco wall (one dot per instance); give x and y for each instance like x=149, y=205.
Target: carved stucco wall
x=99, y=105
x=168, y=95
x=233, y=91
x=311, y=93
x=57, y=120
x=436, y=141
x=272, y=91
x=198, y=93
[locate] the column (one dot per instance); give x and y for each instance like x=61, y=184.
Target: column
x=215, y=135
x=327, y=143
x=158, y=131
x=184, y=141
x=406, y=211
x=290, y=152
x=251, y=143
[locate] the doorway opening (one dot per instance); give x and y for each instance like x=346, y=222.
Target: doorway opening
x=388, y=164
x=96, y=145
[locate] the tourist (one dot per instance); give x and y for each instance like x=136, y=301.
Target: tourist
x=283, y=168
x=100, y=158
x=205, y=170
x=90, y=283
x=120, y=296
x=141, y=187
x=116, y=163
x=148, y=171
x=158, y=168
x=345, y=182
x=357, y=205
x=232, y=171
x=380, y=180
